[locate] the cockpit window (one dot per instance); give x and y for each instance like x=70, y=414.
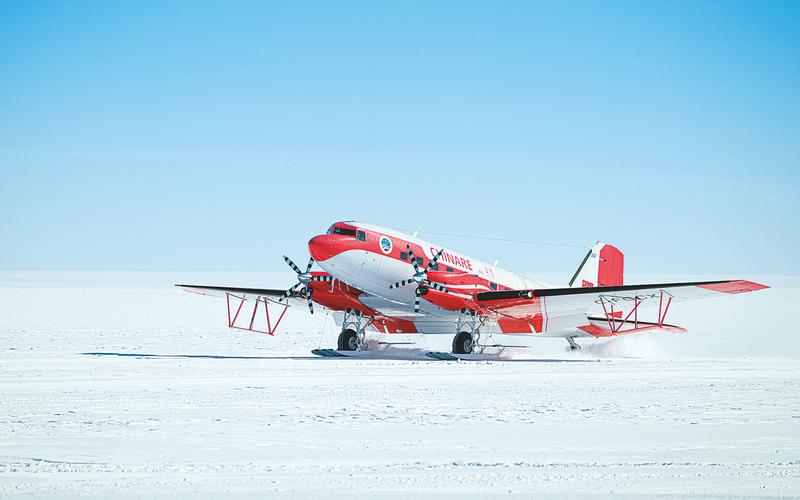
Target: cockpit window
x=344, y=231
x=330, y=229
x=361, y=236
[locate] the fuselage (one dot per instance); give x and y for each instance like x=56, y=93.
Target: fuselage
x=371, y=258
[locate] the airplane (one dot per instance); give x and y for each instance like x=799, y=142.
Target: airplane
x=378, y=280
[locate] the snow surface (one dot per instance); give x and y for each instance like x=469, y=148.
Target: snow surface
x=117, y=384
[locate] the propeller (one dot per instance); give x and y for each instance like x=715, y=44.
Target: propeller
x=420, y=277
x=303, y=280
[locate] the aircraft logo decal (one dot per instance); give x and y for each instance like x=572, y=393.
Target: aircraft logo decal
x=386, y=245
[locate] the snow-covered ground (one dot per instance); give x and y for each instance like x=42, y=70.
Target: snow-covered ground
x=117, y=384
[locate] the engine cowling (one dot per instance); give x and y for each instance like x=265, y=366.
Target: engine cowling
x=448, y=301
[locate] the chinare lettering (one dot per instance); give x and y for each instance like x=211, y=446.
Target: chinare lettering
x=453, y=259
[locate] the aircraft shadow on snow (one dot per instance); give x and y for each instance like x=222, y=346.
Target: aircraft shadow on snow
x=190, y=356
x=378, y=357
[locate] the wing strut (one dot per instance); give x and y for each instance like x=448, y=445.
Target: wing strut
x=611, y=316
x=618, y=325
x=252, y=325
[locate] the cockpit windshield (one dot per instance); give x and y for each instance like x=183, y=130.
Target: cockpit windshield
x=344, y=231
x=340, y=229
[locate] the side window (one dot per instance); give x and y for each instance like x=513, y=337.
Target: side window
x=449, y=269
x=404, y=255
x=493, y=285
x=419, y=261
x=435, y=267
x=360, y=236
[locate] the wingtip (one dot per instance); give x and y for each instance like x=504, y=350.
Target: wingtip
x=735, y=286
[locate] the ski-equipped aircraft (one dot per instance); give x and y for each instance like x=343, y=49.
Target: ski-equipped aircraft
x=380, y=281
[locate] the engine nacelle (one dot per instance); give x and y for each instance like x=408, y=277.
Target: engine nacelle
x=448, y=301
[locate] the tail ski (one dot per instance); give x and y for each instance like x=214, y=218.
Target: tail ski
x=603, y=266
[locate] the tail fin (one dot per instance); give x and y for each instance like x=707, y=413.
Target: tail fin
x=602, y=266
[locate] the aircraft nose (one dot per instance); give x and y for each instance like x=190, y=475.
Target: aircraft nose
x=321, y=247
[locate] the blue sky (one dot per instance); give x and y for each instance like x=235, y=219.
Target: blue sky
x=218, y=136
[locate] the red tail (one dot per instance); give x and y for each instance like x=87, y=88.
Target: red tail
x=611, y=266
x=603, y=266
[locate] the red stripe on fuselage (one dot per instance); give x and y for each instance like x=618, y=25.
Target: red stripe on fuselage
x=325, y=246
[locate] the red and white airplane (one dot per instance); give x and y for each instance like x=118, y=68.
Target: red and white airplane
x=376, y=279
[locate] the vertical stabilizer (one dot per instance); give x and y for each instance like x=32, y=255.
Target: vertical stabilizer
x=603, y=265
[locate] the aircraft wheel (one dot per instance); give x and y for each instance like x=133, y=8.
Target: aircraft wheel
x=573, y=346
x=462, y=343
x=348, y=340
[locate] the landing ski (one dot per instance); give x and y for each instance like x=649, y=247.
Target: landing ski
x=396, y=354
x=332, y=353
x=448, y=356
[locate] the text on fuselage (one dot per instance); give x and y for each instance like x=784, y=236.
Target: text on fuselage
x=455, y=260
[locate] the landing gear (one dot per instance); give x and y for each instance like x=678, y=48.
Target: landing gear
x=353, y=336
x=462, y=343
x=573, y=346
x=348, y=341
x=468, y=332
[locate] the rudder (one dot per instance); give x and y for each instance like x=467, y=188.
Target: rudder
x=603, y=265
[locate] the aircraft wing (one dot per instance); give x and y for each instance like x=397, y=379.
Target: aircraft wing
x=553, y=302
x=237, y=292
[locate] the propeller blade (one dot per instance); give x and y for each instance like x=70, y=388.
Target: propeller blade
x=310, y=263
x=434, y=260
x=292, y=265
x=441, y=288
x=413, y=258
x=288, y=292
x=308, y=298
x=322, y=278
x=400, y=283
x=416, y=301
